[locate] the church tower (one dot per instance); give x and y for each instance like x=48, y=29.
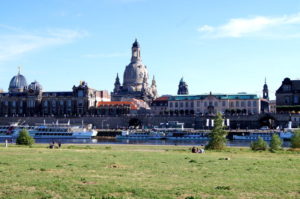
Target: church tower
x=182, y=88
x=135, y=52
x=265, y=91
x=135, y=80
x=117, y=84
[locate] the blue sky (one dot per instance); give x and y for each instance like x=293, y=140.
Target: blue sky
x=220, y=46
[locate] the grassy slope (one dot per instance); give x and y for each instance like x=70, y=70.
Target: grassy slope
x=146, y=172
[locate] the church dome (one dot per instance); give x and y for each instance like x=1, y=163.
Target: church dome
x=134, y=76
x=35, y=86
x=18, y=83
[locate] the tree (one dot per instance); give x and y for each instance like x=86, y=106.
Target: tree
x=275, y=143
x=295, y=140
x=218, y=134
x=24, y=138
x=259, y=145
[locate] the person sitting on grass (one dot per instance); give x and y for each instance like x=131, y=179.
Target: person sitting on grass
x=201, y=151
x=51, y=146
x=194, y=150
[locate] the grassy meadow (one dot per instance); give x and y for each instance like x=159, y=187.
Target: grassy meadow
x=130, y=171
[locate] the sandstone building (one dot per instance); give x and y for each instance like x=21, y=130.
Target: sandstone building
x=288, y=96
x=135, y=80
x=29, y=100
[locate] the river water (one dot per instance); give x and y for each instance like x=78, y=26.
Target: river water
x=241, y=143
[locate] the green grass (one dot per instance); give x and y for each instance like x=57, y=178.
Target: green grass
x=130, y=171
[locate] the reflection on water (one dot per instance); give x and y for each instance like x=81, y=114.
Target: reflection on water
x=146, y=142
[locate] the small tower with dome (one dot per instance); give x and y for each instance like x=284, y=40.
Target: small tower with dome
x=182, y=88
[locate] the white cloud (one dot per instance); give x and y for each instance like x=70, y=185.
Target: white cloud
x=18, y=43
x=284, y=26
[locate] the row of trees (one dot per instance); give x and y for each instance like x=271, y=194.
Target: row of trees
x=218, y=139
x=276, y=143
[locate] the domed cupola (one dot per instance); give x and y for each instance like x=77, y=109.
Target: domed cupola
x=35, y=86
x=17, y=84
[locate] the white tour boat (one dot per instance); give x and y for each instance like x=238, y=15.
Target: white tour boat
x=153, y=135
x=49, y=131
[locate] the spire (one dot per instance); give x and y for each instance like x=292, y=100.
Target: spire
x=181, y=80
x=265, y=90
x=265, y=80
x=19, y=70
x=117, y=84
x=117, y=78
x=153, y=81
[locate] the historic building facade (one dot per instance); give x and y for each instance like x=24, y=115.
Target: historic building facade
x=159, y=106
x=135, y=80
x=288, y=96
x=29, y=100
x=241, y=103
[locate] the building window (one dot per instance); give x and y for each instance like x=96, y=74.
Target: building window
x=216, y=103
x=80, y=93
x=186, y=104
x=198, y=103
x=286, y=88
x=205, y=103
x=223, y=103
x=69, y=103
x=249, y=103
x=237, y=103
x=192, y=104
x=296, y=99
x=231, y=104
x=242, y=104
x=254, y=104
x=176, y=104
x=181, y=104
x=287, y=100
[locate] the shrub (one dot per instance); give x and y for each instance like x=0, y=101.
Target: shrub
x=275, y=143
x=259, y=145
x=24, y=138
x=218, y=135
x=295, y=140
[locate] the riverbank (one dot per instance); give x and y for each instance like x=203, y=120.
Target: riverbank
x=146, y=171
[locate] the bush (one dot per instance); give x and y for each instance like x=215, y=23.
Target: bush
x=24, y=138
x=259, y=145
x=295, y=140
x=275, y=143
